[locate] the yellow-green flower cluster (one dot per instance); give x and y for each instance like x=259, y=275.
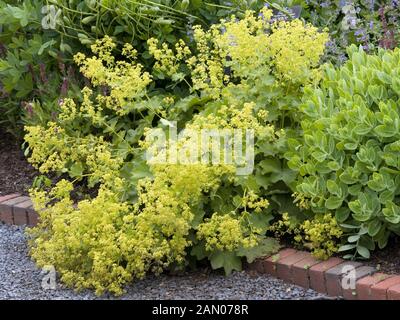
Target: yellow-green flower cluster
x=103, y=48
x=226, y=119
x=285, y=225
x=226, y=232
x=168, y=61
x=101, y=233
x=320, y=235
x=126, y=80
x=84, y=243
x=69, y=110
x=49, y=148
x=296, y=50
x=245, y=42
x=52, y=149
x=236, y=117
x=163, y=213
x=207, y=67
x=253, y=201
x=301, y=201
x=237, y=49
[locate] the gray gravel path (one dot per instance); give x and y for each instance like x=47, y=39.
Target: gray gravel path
x=20, y=279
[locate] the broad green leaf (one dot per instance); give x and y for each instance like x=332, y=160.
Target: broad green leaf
x=349, y=176
x=374, y=227
x=353, y=238
x=266, y=247
x=260, y=220
x=319, y=155
x=377, y=183
x=364, y=252
x=227, y=260
x=391, y=213
x=270, y=165
x=333, y=187
x=76, y=170
x=385, y=78
x=333, y=202
x=355, y=189
x=286, y=175
x=133, y=171
x=334, y=165
x=350, y=146
x=342, y=214
x=349, y=226
x=199, y=251
x=346, y=247
x=383, y=240
x=355, y=206
x=362, y=129
x=386, y=196
x=367, y=242
x=385, y=131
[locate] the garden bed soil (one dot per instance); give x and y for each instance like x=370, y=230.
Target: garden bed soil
x=388, y=259
x=16, y=174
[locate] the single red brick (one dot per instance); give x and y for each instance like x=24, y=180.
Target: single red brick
x=363, y=285
x=333, y=277
x=300, y=274
x=14, y=201
x=8, y=197
x=350, y=281
x=6, y=212
x=394, y=292
x=284, y=265
x=379, y=290
x=317, y=273
x=6, y=215
x=270, y=263
x=20, y=212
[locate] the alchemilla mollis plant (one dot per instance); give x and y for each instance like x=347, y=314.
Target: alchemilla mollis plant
x=139, y=216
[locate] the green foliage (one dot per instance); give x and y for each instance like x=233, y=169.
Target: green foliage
x=136, y=21
x=32, y=66
x=348, y=161
x=38, y=39
x=154, y=215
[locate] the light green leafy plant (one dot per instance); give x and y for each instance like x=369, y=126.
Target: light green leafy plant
x=348, y=160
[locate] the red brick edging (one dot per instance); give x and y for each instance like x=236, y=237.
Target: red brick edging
x=326, y=277
x=290, y=265
x=18, y=210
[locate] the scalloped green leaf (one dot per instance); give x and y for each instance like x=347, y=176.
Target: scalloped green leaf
x=227, y=260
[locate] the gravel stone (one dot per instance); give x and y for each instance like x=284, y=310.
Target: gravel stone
x=21, y=279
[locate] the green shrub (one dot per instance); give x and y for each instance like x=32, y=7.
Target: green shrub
x=31, y=66
x=154, y=216
x=39, y=38
x=348, y=161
